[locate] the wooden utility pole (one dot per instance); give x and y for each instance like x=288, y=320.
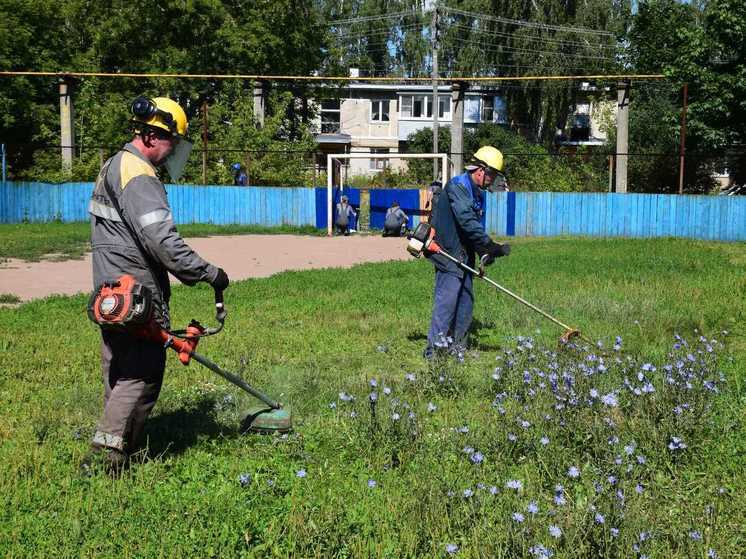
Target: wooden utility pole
x=67, y=124
x=458, y=90
x=622, y=135
x=682, y=140
x=205, y=141
x=436, y=100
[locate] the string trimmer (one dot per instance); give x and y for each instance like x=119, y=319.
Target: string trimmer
x=125, y=305
x=422, y=240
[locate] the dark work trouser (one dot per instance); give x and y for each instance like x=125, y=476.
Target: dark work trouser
x=133, y=374
x=453, y=306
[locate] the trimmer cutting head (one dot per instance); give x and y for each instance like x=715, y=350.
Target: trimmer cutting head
x=267, y=420
x=569, y=335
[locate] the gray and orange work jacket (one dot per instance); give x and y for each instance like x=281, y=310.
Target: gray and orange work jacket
x=142, y=198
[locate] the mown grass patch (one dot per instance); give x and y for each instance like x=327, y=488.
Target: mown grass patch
x=65, y=241
x=463, y=457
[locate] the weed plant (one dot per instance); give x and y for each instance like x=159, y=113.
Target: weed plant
x=628, y=448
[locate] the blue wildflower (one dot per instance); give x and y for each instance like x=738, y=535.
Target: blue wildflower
x=468, y=493
x=512, y=437
x=544, y=440
x=610, y=400
x=386, y=390
x=711, y=553
x=395, y=416
x=676, y=444
x=332, y=405
x=373, y=383
x=300, y=473
x=244, y=479
x=373, y=396
x=431, y=407
x=540, y=552
x=463, y=430
x=451, y=548
x=477, y=457
x=372, y=483
x=573, y=472
x=695, y=535
x=555, y=531
x=599, y=518
x=532, y=507
x=410, y=377
x=518, y=517
x=516, y=484
x=614, y=532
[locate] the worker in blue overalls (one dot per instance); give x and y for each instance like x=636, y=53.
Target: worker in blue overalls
x=457, y=220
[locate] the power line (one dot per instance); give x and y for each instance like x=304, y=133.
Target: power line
x=522, y=23
x=363, y=19
x=262, y=77
x=559, y=42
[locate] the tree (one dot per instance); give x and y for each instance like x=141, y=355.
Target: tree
x=171, y=36
x=702, y=46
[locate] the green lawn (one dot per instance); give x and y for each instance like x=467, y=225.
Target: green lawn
x=63, y=241
x=487, y=442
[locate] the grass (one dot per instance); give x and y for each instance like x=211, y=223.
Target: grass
x=9, y=299
x=64, y=241
x=312, y=338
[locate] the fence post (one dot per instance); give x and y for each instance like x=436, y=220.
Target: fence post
x=2, y=149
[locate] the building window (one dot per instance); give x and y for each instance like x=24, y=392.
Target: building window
x=444, y=107
x=488, y=109
x=330, y=123
x=379, y=164
x=416, y=106
x=379, y=111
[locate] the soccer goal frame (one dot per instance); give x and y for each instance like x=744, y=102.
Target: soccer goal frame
x=330, y=175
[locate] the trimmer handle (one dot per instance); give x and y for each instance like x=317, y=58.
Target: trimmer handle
x=220, y=312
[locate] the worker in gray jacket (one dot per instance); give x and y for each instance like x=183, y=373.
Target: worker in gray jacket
x=395, y=222
x=456, y=218
x=133, y=232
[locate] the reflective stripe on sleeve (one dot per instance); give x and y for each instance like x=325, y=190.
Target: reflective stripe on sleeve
x=101, y=210
x=155, y=216
x=108, y=440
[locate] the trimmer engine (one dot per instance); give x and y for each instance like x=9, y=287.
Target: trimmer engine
x=422, y=239
x=121, y=304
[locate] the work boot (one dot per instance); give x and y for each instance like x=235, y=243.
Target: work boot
x=112, y=460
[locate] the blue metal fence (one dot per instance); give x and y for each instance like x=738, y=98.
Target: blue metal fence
x=39, y=202
x=538, y=214
x=520, y=214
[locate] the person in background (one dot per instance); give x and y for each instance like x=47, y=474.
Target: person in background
x=240, y=178
x=344, y=212
x=395, y=223
x=456, y=218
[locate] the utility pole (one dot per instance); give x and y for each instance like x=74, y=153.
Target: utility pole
x=259, y=104
x=458, y=90
x=67, y=120
x=682, y=141
x=436, y=99
x=622, y=135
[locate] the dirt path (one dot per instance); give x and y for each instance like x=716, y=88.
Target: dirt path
x=242, y=256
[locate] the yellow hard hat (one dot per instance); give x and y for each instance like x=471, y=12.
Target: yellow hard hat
x=489, y=157
x=160, y=112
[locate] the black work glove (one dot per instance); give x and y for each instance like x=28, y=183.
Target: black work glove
x=221, y=281
x=494, y=250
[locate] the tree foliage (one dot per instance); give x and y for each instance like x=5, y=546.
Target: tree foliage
x=702, y=45
x=138, y=36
